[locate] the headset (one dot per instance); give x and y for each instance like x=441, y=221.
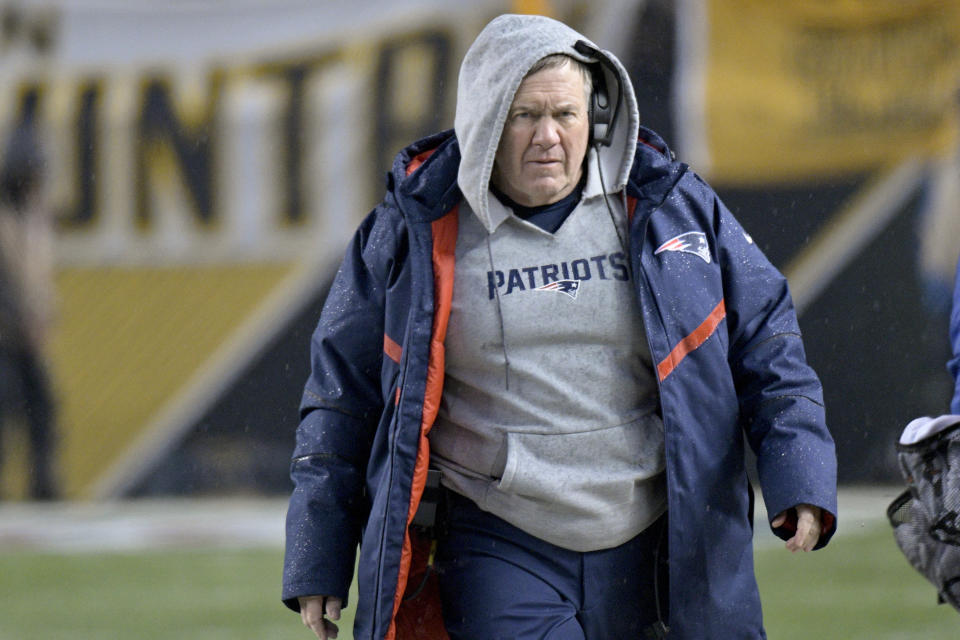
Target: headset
x=603, y=115
x=602, y=110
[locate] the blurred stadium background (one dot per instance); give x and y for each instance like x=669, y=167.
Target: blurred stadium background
x=208, y=161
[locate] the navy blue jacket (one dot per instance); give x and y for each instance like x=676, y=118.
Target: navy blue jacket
x=730, y=361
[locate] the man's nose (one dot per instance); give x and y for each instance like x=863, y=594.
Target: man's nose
x=546, y=133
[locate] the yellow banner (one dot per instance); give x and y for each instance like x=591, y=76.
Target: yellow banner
x=801, y=89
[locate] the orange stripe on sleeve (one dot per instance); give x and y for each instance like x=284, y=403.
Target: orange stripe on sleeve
x=392, y=349
x=696, y=338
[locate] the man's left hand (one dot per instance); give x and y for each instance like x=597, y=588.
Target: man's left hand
x=809, y=527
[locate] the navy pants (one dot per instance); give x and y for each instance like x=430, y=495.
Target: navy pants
x=498, y=582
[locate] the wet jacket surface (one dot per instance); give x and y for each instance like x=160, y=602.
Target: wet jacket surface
x=729, y=358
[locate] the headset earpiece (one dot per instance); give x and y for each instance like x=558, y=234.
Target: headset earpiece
x=602, y=110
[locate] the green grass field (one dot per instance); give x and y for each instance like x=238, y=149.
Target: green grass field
x=858, y=588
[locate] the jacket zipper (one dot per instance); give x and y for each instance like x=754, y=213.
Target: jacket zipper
x=393, y=427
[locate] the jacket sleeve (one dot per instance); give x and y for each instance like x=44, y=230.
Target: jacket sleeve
x=954, y=364
x=780, y=396
x=339, y=412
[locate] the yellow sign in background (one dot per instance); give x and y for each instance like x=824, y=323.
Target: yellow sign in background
x=801, y=89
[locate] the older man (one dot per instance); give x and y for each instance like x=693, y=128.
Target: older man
x=574, y=331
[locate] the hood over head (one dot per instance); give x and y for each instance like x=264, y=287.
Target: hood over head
x=490, y=75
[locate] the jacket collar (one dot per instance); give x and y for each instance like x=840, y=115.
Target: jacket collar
x=654, y=173
x=431, y=190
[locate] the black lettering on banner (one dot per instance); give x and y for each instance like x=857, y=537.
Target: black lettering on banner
x=29, y=109
x=32, y=29
x=178, y=145
x=293, y=133
x=426, y=56
x=82, y=212
x=160, y=128
x=873, y=78
x=296, y=76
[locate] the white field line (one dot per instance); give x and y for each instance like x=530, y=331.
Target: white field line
x=138, y=525
x=131, y=526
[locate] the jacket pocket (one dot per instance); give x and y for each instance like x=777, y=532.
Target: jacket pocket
x=603, y=465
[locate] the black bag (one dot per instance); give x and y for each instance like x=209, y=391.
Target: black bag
x=926, y=517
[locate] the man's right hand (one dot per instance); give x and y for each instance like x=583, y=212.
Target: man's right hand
x=315, y=609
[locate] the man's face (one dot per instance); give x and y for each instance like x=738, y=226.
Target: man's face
x=540, y=157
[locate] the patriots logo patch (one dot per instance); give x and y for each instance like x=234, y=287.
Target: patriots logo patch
x=568, y=287
x=694, y=242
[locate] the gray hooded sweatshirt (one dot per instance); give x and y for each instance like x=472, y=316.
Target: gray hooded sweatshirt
x=549, y=413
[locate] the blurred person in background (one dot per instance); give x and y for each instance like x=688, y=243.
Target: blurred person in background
x=573, y=330
x=924, y=517
x=26, y=304
x=954, y=364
